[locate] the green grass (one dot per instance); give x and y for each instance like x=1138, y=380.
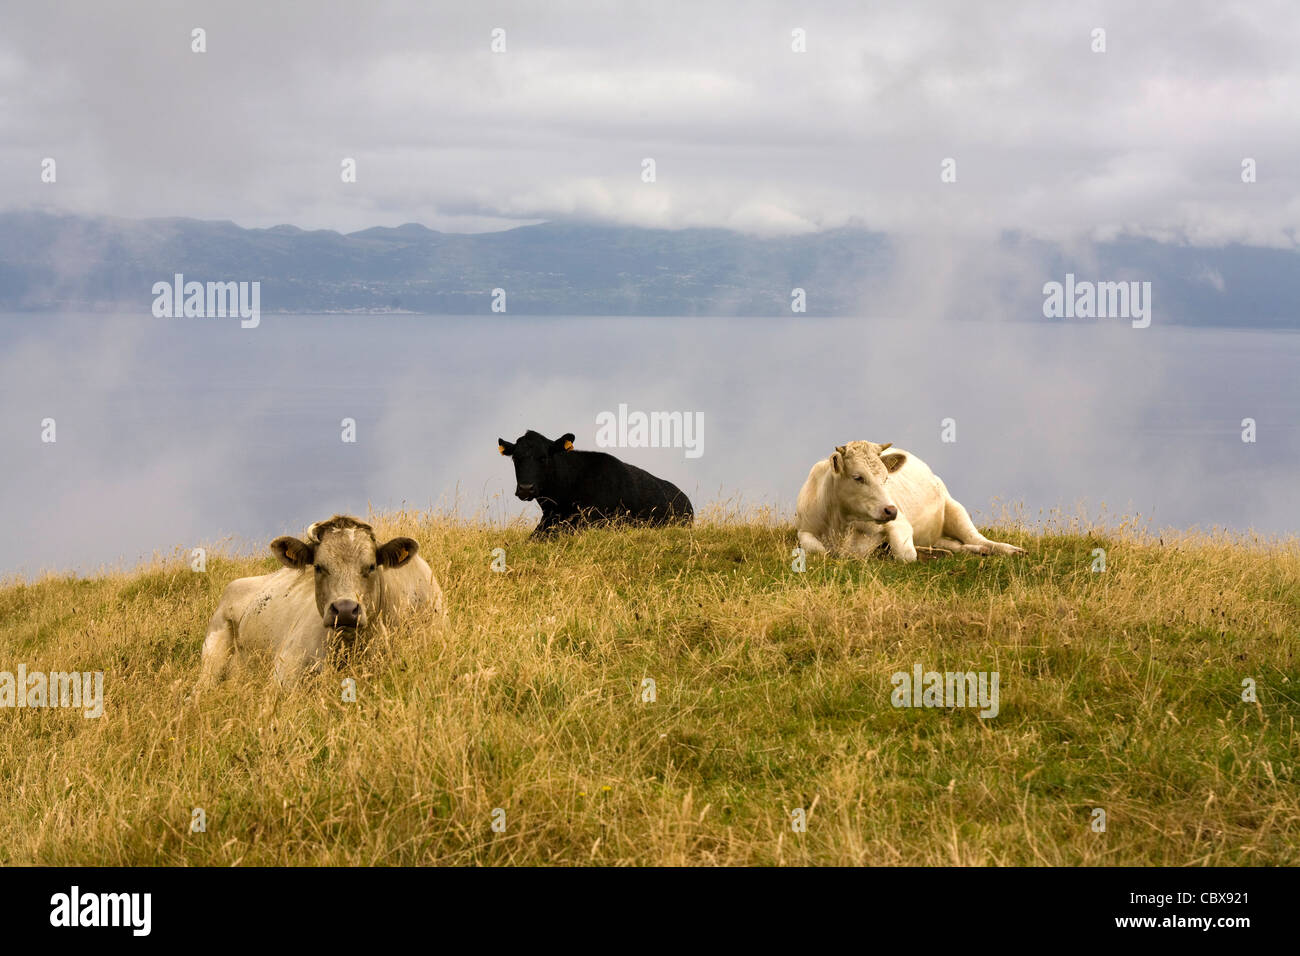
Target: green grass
x=1120, y=690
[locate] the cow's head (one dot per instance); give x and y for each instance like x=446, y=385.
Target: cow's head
x=534, y=457
x=348, y=565
x=862, y=479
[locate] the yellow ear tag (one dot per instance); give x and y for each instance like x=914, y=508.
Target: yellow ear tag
x=501, y=448
x=401, y=555
x=568, y=446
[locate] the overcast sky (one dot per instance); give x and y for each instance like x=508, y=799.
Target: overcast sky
x=1049, y=137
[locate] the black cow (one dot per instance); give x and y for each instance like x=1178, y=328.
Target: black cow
x=577, y=488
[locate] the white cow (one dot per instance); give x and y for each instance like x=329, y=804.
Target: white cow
x=339, y=579
x=858, y=499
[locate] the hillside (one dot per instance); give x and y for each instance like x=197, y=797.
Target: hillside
x=75, y=263
x=59, y=262
x=1119, y=690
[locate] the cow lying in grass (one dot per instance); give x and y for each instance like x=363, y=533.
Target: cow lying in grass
x=577, y=488
x=860, y=498
x=340, y=579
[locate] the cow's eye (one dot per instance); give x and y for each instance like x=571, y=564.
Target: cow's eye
x=321, y=571
x=370, y=570
x=858, y=478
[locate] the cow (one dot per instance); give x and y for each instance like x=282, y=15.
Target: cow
x=336, y=583
x=580, y=488
x=860, y=498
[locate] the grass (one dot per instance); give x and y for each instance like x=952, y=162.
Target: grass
x=1120, y=690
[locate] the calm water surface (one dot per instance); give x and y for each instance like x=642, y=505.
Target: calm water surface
x=177, y=432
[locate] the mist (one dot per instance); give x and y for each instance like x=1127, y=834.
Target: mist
x=178, y=433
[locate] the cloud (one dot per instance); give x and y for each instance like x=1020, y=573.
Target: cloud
x=1050, y=138
x=1212, y=278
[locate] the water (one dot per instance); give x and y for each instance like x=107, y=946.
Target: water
x=178, y=432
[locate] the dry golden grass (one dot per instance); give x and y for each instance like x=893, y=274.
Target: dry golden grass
x=1120, y=690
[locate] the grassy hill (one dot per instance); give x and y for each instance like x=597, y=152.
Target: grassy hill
x=1120, y=690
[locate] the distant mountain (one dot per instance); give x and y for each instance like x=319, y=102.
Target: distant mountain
x=53, y=261
x=67, y=262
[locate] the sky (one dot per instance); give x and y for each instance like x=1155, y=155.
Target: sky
x=1050, y=138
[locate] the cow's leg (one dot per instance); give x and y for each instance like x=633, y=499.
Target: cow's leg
x=950, y=544
x=810, y=543
x=863, y=541
x=552, y=522
x=958, y=526
x=899, y=535
x=957, y=547
x=218, y=647
x=299, y=656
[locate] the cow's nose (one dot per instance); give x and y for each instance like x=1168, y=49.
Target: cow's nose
x=343, y=614
x=524, y=490
x=889, y=513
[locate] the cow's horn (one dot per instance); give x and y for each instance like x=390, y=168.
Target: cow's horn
x=887, y=444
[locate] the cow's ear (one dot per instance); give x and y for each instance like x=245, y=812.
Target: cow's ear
x=565, y=442
x=293, y=553
x=837, y=462
x=505, y=447
x=397, y=552
x=893, y=461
